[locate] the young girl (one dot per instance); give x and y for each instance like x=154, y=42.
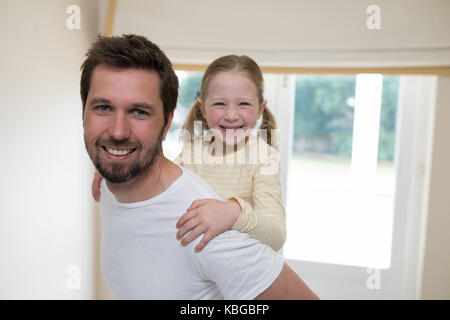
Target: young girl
x=240, y=167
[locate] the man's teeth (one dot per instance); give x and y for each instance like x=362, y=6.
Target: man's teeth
x=116, y=152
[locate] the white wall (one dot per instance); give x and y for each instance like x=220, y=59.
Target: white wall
x=293, y=32
x=436, y=266
x=46, y=221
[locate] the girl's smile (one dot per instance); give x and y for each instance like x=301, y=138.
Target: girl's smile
x=231, y=107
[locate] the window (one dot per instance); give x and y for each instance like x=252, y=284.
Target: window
x=189, y=83
x=341, y=183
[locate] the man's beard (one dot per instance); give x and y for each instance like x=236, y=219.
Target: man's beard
x=119, y=172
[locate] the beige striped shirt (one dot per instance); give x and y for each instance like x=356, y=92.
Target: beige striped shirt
x=251, y=176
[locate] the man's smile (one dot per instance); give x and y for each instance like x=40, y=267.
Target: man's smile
x=118, y=154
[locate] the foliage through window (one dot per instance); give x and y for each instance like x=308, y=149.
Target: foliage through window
x=324, y=110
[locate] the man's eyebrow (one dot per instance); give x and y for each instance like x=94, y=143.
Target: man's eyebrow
x=99, y=100
x=143, y=105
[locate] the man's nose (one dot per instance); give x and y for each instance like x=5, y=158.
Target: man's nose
x=120, y=127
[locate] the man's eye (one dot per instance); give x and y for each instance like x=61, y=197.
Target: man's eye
x=140, y=113
x=103, y=108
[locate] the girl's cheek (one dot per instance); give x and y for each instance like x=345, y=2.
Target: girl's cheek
x=213, y=116
x=249, y=115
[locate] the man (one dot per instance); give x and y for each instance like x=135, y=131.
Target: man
x=129, y=92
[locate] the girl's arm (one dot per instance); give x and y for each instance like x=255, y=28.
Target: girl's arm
x=178, y=160
x=96, y=186
x=266, y=220
x=205, y=216
x=209, y=217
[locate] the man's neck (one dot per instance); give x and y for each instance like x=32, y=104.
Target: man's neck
x=157, y=179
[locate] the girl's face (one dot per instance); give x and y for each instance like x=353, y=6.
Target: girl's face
x=231, y=106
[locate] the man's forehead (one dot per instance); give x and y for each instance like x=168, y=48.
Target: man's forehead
x=125, y=84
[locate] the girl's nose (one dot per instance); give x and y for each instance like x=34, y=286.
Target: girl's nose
x=231, y=114
x=120, y=127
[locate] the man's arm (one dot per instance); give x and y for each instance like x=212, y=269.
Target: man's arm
x=288, y=286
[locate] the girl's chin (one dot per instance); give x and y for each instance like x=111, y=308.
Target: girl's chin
x=230, y=141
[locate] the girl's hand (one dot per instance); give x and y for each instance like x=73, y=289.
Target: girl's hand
x=96, y=186
x=208, y=216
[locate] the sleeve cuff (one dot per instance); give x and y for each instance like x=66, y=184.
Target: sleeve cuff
x=241, y=221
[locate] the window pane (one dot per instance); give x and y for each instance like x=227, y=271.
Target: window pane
x=323, y=222
x=189, y=83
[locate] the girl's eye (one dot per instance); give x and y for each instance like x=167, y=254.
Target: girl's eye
x=244, y=103
x=219, y=104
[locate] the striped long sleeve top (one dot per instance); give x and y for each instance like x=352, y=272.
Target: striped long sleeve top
x=251, y=176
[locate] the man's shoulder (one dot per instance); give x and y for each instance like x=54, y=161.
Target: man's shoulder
x=194, y=183
x=234, y=244
x=238, y=264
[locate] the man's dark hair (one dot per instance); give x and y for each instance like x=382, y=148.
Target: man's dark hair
x=131, y=51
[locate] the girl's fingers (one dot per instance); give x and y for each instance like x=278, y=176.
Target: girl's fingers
x=197, y=203
x=205, y=240
x=186, y=227
x=194, y=234
x=185, y=217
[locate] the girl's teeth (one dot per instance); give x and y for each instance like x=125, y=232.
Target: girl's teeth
x=234, y=129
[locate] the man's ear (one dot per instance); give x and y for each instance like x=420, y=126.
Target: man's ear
x=169, y=122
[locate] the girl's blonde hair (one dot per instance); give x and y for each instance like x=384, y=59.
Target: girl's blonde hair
x=235, y=63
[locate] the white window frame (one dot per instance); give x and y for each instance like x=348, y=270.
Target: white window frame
x=415, y=116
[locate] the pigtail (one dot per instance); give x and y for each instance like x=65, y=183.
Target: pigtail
x=193, y=115
x=268, y=124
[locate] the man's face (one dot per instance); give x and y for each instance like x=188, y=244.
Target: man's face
x=123, y=122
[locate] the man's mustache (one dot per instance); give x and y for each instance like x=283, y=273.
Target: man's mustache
x=114, y=143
